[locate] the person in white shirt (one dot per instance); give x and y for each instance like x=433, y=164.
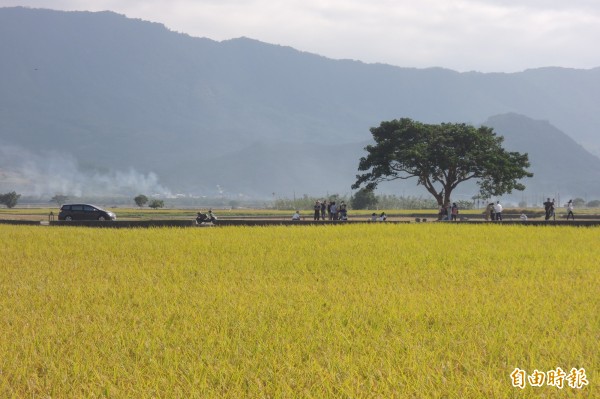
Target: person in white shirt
x=334, y=211
x=523, y=217
x=498, y=210
x=570, y=209
x=296, y=216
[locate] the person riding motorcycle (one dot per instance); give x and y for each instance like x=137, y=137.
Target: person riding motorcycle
x=206, y=217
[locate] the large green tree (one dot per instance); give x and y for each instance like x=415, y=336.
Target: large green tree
x=10, y=199
x=141, y=200
x=441, y=157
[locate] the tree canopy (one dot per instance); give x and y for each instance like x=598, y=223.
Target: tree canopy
x=10, y=199
x=141, y=200
x=441, y=157
x=156, y=203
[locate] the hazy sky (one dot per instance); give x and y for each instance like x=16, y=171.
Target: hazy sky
x=465, y=35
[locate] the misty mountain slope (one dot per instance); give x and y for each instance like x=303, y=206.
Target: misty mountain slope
x=559, y=164
x=117, y=93
x=284, y=169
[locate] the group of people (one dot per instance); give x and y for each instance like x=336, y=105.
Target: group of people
x=381, y=218
x=493, y=211
x=448, y=212
x=330, y=210
x=550, y=211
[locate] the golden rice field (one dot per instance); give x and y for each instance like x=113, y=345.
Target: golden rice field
x=353, y=311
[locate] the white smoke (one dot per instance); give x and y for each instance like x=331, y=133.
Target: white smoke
x=51, y=173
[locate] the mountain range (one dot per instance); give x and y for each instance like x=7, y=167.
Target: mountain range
x=94, y=102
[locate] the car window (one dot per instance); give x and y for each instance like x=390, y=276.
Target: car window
x=65, y=208
x=88, y=208
x=77, y=208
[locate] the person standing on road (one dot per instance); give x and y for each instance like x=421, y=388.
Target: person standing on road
x=343, y=212
x=489, y=209
x=333, y=211
x=549, y=208
x=570, y=210
x=317, y=208
x=323, y=209
x=498, y=210
x=454, y=211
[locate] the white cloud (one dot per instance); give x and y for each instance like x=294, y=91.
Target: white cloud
x=492, y=35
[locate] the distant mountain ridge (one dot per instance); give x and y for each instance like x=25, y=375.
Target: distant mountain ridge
x=119, y=93
x=559, y=164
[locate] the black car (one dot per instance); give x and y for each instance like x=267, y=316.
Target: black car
x=84, y=212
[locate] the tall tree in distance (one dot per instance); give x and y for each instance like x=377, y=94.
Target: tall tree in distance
x=156, y=203
x=363, y=199
x=141, y=200
x=441, y=157
x=59, y=199
x=10, y=199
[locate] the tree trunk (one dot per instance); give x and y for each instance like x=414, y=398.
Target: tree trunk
x=447, y=194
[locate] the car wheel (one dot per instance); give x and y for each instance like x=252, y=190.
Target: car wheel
x=68, y=218
x=102, y=218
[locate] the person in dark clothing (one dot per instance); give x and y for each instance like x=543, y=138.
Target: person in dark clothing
x=549, y=208
x=317, y=208
x=454, y=211
x=443, y=214
x=343, y=212
x=492, y=211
